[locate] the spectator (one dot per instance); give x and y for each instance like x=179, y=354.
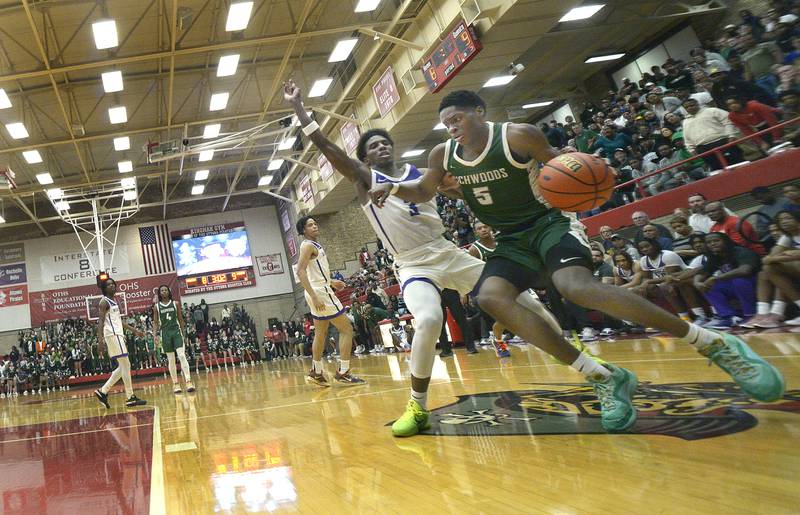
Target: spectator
x=707, y=128
x=699, y=220
x=751, y=117
x=705, y=60
x=676, y=79
x=751, y=21
x=792, y=193
x=627, y=272
x=673, y=177
x=650, y=231
x=621, y=244
x=724, y=84
x=771, y=205
x=584, y=138
x=682, y=245
x=640, y=219
x=602, y=271
x=740, y=231
x=758, y=60
x=657, y=267
x=606, y=232
x=364, y=257
x=376, y=296
x=729, y=273
x=661, y=106
x=610, y=140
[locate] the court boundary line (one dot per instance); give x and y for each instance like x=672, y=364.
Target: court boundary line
x=158, y=500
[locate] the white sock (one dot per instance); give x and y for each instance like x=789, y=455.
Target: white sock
x=317, y=366
x=778, y=308
x=699, y=337
x=699, y=312
x=344, y=366
x=587, y=366
x=421, y=398
x=762, y=308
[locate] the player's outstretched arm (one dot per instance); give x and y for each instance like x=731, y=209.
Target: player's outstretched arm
x=419, y=191
x=529, y=142
x=353, y=170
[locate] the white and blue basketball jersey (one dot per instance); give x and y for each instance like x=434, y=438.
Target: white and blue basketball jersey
x=319, y=272
x=113, y=325
x=403, y=226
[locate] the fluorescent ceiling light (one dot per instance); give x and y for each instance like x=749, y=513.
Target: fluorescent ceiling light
x=205, y=155
x=5, y=102
x=197, y=189
x=55, y=193
x=287, y=143
x=601, y=58
x=367, y=5
x=201, y=175
x=32, y=156
x=275, y=164
x=413, y=153
x=238, y=16
x=125, y=166
x=500, y=80
x=128, y=183
x=211, y=131
x=123, y=143
x=218, y=101
x=537, y=104
x=44, y=178
x=320, y=87
x=17, y=130
x=105, y=34
x=581, y=13
x=342, y=50
x=227, y=65
x=112, y=81
x=265, y=180
x=62, y=205
x=439, y=127
x=118, y=114
x=129, y=195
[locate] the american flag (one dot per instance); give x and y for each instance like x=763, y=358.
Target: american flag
x=156, y=249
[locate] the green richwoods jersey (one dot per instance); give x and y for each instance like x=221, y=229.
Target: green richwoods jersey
x=497, y=188
x=484, y=251
x=168, y=316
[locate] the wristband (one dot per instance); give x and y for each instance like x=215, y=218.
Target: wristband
x=395, y=187
x=310, y=128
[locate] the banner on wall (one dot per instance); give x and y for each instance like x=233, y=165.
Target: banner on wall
x=13, y=296
x=291, y=245
x=74, y=265
x=13, y=274
x=269, y=265
x=350, y=135
x=207, y=230
x=53, y=305
x=325, y=167
x=385, y=92
x=12, y=253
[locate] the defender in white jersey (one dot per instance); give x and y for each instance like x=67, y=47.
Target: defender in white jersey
x=110, y=334
x=314, y=273
x=425, y=262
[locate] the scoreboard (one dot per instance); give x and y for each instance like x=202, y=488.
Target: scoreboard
x=217, y=281
x=460, y=46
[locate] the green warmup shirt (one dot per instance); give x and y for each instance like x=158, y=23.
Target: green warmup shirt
x=484, y=251
x=499, y=190
x=171, y=337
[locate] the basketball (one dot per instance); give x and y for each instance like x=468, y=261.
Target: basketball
x=576, y=182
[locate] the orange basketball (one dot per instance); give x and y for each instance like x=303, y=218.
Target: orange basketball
x=576, y=182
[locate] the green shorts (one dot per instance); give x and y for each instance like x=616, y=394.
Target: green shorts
x=529, y=247
x=171, y=340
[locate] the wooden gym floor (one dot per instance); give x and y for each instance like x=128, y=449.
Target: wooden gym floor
x=519, y=435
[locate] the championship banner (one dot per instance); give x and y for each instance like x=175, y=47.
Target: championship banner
x=54, y=305
x=350, y=135
x=13, y=296
x=13, y=274
x=12, y=253
x=74, y=265
x=269, y=265
x=208, y=230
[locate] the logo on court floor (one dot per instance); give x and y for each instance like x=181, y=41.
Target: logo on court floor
x=691, y=411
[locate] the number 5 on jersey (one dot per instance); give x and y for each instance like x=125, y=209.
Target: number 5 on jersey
x=483, y=196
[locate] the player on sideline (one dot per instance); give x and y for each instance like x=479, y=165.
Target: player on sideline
x=110, y=334
x=314, y=274
x=482, y=249
x=492, y=163
x=168, y=326
x=425, y=262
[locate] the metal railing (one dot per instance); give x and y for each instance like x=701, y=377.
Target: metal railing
x=718, y=151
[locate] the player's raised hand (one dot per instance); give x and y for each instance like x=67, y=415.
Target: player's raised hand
x=380, y=193
x=291, y=92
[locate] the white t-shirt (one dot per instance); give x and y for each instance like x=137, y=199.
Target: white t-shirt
x=789, y=243
x=658, y=266
x=697, y=262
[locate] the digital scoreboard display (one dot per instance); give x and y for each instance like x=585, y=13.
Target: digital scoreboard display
x=458, y=48
x=217, y=281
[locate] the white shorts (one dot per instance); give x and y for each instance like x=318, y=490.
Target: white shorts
x=442, y=264
x=116, y=345
x=332, y=305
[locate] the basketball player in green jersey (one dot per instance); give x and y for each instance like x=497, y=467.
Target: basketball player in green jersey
x=169, y=328
x=496, y=165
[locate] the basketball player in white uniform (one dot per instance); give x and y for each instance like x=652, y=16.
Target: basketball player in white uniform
x=110, y=335
x=425, y=262
x=314, y=274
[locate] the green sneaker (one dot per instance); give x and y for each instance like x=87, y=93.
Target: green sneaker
x=615, y=393
x=752, y=373
x=414, y=420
